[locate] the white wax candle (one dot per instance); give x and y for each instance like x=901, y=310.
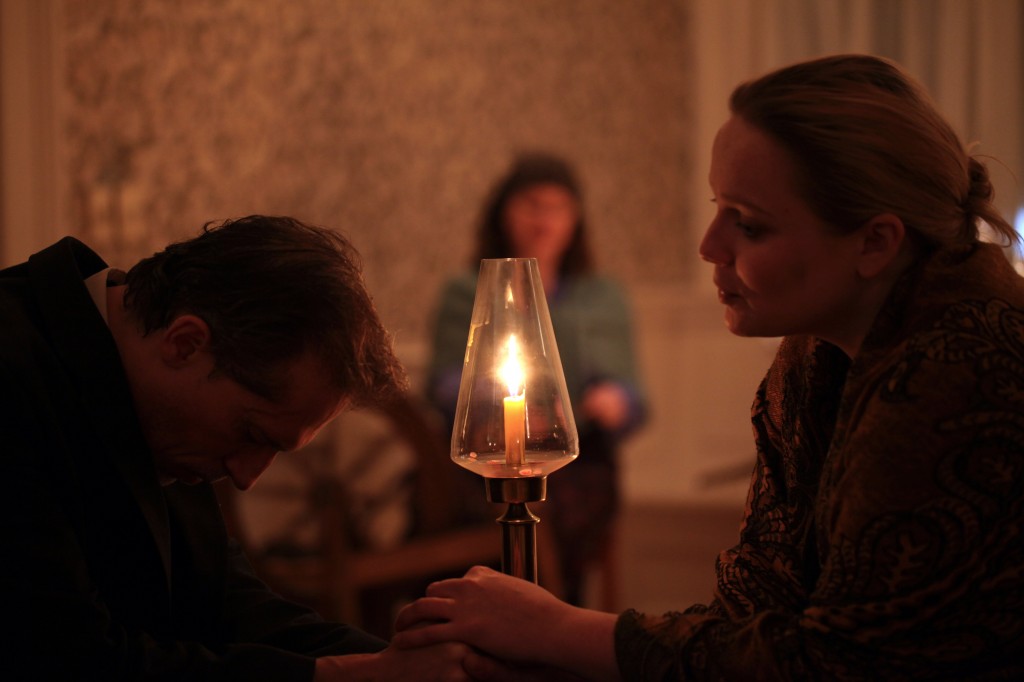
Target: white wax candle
x=515, y=430
x=511, y=372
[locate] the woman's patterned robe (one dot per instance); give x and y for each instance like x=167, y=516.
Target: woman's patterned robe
x=882, y=535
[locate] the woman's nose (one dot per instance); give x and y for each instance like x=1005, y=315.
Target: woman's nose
x=712, y=247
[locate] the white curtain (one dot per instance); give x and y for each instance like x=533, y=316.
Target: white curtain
x=968, y=53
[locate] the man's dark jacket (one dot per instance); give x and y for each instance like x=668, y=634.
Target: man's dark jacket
x=108, y=576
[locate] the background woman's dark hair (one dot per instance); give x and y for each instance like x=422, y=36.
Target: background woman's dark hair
x=270, y=289
x=868, y=140
x=529, y=170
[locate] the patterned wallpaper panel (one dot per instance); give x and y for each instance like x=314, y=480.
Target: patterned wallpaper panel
x=387, y=120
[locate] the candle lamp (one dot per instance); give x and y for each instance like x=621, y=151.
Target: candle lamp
x=513, y=421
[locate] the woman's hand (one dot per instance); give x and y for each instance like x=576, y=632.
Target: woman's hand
x=465, y=610
x=606, y=403
x=513, y=620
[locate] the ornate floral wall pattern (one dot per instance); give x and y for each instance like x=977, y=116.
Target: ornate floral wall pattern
x=385, y=120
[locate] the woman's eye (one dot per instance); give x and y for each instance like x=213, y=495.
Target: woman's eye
x=747, y=229
x=750, y=231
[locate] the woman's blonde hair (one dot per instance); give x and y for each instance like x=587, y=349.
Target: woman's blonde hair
x=868, y=140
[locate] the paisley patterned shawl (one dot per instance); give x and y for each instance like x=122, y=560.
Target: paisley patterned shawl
x=882, y=535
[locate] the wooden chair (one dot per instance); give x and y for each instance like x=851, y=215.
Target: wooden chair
x=363, y=586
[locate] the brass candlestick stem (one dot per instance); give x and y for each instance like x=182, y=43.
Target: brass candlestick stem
x=518, y=523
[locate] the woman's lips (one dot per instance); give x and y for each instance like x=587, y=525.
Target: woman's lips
x=727, y=296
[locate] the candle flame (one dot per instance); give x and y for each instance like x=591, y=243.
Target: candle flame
x=511, y=371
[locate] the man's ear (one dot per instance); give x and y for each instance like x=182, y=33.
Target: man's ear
x=183, y=339
x=882, y=241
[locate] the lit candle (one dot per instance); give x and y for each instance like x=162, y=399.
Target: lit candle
x=515, y=406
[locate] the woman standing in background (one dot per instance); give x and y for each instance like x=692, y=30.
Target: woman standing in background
x=536, y=211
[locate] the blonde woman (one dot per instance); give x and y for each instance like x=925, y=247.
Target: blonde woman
x=882, y=536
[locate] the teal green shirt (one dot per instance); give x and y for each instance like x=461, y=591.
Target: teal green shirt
x=592, y=323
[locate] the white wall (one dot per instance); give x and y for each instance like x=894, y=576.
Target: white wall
x=697, y=447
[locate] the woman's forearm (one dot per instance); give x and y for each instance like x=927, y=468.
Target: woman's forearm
x=583, y=641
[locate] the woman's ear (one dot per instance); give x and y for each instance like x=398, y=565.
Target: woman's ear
x=882, y=241
x=183, y=339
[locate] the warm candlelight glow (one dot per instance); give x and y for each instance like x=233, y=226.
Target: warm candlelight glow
x=511, y=372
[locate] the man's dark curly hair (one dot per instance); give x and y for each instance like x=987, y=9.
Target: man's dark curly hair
x=270, y=289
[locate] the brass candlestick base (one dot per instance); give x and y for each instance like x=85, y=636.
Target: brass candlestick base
x=518, y=523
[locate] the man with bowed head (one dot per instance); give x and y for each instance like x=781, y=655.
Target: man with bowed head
x=882, y=534
x=123, y=396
